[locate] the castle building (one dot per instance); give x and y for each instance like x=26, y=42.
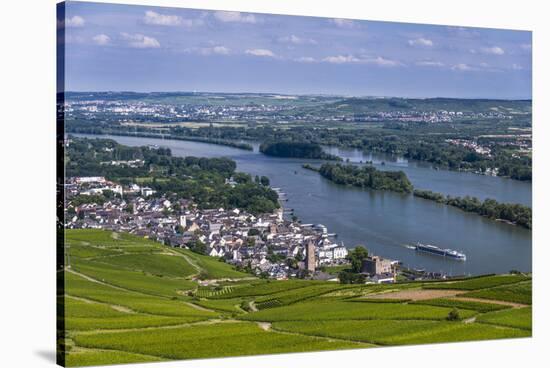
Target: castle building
x=375, y=266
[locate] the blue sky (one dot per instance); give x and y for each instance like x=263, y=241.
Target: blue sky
x=136, y=48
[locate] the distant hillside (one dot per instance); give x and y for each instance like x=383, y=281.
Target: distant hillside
x=342, y=104
x=363, y=105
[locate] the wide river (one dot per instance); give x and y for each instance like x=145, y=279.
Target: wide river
x=385, y=222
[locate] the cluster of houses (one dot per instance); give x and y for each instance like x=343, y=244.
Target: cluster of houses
x=268, y=244
x=472, y=145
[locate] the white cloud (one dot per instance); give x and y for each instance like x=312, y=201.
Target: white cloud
x=154, y=18
x=463, y=67
x=101, y=39
x=342, y=23
x=233, y=16
x=430, y=63
x=423, y=42
x=494, y=50
x=305, y=59
x=157, y=19
x=214, y=50
x=297, y=40
x=140, y=41
x=383, y=61
x=191, y=22
x=220, y=50
x=75, y=21
x=346, y=59
x=517, y=67
x=260, y=52
x=341, y=59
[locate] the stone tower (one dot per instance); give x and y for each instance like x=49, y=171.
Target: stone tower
x=310, y=256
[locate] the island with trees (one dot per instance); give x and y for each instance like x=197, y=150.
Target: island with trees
x=296, y=150
x=366, y=177
x=511, y=213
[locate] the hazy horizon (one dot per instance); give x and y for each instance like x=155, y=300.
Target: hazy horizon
x=304, y=94
x=114, y=47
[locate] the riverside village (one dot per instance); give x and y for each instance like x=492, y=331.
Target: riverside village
x=267, y=245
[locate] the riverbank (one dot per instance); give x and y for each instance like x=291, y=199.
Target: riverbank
x=221, y=142
x=508, y=213
x=385, y=221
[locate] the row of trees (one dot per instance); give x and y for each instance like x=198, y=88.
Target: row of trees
x=515, y=213
x=366, y=177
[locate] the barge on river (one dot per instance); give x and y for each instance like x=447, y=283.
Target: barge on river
x=432, y=249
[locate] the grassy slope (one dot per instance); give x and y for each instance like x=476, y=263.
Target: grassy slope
x=462, y=304
x=214, y=269
x=515, y=293
x=400, y=332
x=201, y=341
x=519, y=318
x=341, y=310
x=479, y=282
x=128, y=305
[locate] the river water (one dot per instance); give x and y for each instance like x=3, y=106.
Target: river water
x=385, y=222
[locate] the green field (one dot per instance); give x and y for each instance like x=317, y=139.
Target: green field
x=130, y=300
x=393, y=332
x=516, y=293
x=464, y=304
x=479, y=282
x=519, y=318
x=202, y=341
x=342, y=310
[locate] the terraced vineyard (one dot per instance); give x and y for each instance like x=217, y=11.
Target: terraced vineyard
x=128, y=299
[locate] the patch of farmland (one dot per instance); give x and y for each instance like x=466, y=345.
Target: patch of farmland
x=89, y=251
x=213, y=291
x=414, y=294
x=267, y=288
x=517, y=293
x=156, y=264
x=479, y=282
x=356, y=290
x=207, y=341
x=518, y=318
x=149, y=304
x=464, y=304
x=400, y=332
x=132, y=280
x=212, y=268
x=81, y=315
x=295, y=295
x=86, y=357
x=342, y=310
x=223, y=305
x=104, y=238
